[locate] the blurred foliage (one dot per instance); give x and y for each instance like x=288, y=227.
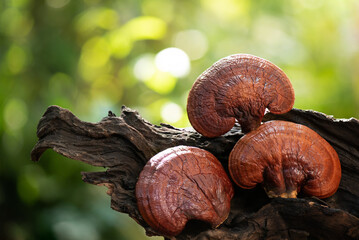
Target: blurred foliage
x=92, y=56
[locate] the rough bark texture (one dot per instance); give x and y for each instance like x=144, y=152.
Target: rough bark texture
x=124, y=144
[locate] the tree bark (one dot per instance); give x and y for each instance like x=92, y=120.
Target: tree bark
x=124, y=144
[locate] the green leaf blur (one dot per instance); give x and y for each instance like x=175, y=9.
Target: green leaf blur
x=92, y=56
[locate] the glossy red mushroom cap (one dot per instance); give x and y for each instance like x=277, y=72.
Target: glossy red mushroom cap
x=241, y=87
x=286, y=158
x=183, y=183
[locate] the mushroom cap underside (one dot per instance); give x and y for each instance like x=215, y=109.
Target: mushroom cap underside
x=286, y=158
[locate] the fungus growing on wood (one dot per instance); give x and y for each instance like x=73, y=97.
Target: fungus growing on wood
x=180, y=184
x=285, y=158
x=241, y=87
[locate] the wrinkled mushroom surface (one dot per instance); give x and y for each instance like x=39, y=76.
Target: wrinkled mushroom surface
x=241, y=87
x=183, y=183
x=286, y=158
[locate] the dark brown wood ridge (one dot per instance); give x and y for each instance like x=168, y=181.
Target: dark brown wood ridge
x=124, y=144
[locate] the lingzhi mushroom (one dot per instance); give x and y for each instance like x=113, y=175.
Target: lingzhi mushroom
x=183, y=183
x=241, y=87
x=285, y=158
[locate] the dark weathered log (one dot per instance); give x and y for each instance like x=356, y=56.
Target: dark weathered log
x=124, y=144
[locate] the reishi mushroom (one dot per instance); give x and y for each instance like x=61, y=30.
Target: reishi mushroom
x=286, y=158
x=241, y=87
x=183, y=183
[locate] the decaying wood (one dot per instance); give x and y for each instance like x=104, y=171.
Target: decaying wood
x=124, y=144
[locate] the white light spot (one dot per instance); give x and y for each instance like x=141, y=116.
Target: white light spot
x=193, y=42
x=174, y=61
x=145, y=67
x=171, y=112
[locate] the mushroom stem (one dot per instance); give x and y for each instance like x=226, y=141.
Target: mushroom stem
x=249, y=124
x=281, y=181
x=249, y=121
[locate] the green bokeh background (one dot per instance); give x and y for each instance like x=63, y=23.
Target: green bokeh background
x=91, y=56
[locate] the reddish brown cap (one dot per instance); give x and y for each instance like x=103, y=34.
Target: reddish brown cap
x=286, y=158
x=183, y=183
x=241, y=87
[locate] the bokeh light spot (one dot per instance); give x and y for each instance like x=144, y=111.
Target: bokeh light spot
x=171, y=112
x=19, y=3
x=174, y=61
x=86, y=21
x=93, y=18
x=15, y=114
x=277, y=41
x=120, y=43
x=16, y=59
x=95, y=52
x=144, y=67
x=15, y=23
x=145, y=27
x=309, y=4
x=165, y=11
x=107, y=19
x=161, y=82
x=193, y=42
x=152, y=110
x=227, y=9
